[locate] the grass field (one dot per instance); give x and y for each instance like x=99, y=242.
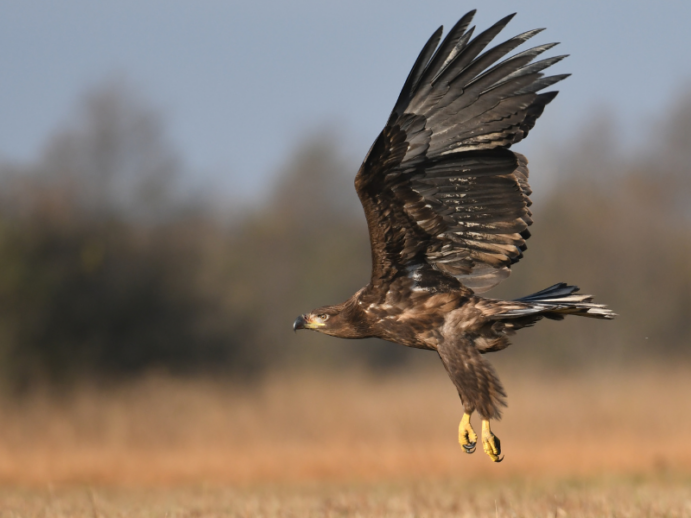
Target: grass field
x=584, y=444
x=603, y=497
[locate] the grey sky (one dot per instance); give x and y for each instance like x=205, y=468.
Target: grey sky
x=241, y=82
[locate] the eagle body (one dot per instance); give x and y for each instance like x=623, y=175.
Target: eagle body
x=447, y=207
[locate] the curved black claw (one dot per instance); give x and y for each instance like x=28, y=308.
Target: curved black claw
x=469, y=448
x=492, y=446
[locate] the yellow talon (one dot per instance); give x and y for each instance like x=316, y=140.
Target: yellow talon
x=466, y=435
x=490, y=442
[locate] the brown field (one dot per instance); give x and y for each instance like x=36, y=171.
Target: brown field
x=509, y=499
x=583, y=444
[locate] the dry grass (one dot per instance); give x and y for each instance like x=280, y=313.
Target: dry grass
x=347, y=428
x=598, y=498
x=350, y=445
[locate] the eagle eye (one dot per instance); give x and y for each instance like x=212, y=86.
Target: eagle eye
x=323, y=316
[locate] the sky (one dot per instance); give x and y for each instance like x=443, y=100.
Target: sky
x=240, y=84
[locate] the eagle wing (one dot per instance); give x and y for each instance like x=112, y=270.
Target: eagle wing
x=439, y=186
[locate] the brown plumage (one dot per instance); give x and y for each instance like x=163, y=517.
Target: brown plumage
x=447, y=203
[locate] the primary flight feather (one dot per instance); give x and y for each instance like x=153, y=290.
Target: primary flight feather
x=447, y=207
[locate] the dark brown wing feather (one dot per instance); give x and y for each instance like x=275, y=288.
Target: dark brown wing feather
x=439, y=186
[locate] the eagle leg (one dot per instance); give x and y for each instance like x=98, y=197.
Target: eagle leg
x=491, y=443
x=466, y=435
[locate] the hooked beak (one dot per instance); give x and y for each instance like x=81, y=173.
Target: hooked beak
x=299, y=323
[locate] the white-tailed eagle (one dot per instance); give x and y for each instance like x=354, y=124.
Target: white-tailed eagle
x=447, y=209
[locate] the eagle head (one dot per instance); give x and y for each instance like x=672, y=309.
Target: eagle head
x=331, y=320
x=346, y=320
x=317, y=320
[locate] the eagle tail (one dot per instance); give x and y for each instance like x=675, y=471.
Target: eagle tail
x=555, y=302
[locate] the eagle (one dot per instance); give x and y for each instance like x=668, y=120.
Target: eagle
x=447, y=208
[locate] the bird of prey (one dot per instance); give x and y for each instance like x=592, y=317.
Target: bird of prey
x=447, y=208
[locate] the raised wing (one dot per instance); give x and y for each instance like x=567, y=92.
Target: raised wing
x=439, y=186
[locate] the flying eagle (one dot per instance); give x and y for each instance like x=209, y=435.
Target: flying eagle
x=447, y=209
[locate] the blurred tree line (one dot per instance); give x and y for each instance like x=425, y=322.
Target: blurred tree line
x=109, y=270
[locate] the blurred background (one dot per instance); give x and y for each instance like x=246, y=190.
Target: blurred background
x=176, y=187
